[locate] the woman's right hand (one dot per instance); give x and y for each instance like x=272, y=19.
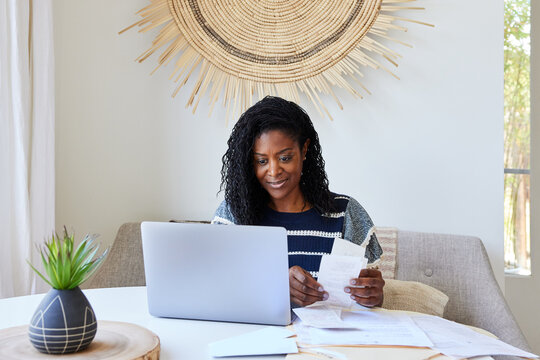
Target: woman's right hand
x=303, y=288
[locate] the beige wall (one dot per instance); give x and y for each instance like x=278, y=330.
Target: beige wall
x=422, y=153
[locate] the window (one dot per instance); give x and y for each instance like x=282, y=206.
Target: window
x=517, y=51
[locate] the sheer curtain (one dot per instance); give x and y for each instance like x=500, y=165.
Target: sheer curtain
x=26, y=140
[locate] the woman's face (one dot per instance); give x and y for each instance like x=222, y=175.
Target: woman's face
x=278, y=160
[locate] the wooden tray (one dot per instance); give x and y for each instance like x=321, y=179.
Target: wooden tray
x=118, y=340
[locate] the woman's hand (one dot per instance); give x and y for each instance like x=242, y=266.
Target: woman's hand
x=370, y=288
x=303, y=287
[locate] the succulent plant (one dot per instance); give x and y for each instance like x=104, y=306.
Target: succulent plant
x=66, y=267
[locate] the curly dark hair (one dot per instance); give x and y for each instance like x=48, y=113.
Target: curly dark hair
x=244, y=195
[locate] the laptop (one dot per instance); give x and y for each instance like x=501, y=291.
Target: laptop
x=217, y=272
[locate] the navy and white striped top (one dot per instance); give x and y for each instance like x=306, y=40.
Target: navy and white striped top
x=310, y=234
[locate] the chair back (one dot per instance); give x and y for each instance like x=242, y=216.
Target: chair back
x=459, y=267
x=124, y=266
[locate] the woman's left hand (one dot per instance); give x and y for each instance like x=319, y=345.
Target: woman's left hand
x=367, y=289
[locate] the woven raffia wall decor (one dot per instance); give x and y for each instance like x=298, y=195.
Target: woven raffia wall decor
x=246, y=49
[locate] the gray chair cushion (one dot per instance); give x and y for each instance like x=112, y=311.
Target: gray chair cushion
x=459, y=267
x=124, y=265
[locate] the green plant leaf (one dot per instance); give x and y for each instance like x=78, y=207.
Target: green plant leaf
x=39, y=273
x=80, y=253
x=55, y=278
x=48, y=269
x=52, y=247
x=92, y=268
x=65, y=267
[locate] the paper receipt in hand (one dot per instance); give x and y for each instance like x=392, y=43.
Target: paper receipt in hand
x=338, y=268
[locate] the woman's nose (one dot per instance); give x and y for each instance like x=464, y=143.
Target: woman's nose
x=274, y=168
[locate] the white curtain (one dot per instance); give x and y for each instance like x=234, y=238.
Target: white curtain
x=26, y=140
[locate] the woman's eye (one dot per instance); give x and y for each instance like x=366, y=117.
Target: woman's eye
x=285, y=158
x=261, y=161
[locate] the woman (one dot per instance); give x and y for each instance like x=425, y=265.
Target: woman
x=273, y=174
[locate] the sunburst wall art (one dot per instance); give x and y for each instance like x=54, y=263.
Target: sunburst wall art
x=241, y=50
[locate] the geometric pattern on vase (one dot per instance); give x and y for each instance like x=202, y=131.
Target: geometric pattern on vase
x=64, y=322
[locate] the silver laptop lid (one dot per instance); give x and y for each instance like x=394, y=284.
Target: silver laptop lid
x=217, y=272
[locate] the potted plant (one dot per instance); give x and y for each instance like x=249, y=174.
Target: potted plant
x=64, y=321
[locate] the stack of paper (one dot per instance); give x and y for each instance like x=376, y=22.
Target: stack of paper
x=327, y=326
x=322, y=316
x=459, y=341
x=359, y=328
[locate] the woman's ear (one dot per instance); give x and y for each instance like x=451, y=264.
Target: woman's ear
x=304, y=148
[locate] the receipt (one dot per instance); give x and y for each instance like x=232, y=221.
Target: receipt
x=338, y=268
x=347, y=248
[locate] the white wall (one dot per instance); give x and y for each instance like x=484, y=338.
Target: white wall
x=422, y=153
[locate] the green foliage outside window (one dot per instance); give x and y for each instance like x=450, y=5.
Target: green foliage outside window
x=517, y=135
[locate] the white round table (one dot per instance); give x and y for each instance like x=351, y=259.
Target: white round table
x=180, y=339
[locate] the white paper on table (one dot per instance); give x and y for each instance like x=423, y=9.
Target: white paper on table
x=322, y=316
x=347, y=248
x=335, y=273
x=374, y=328
x=458, y=340
x=266, y=341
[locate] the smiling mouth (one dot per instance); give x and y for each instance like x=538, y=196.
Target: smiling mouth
x=276, y=184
